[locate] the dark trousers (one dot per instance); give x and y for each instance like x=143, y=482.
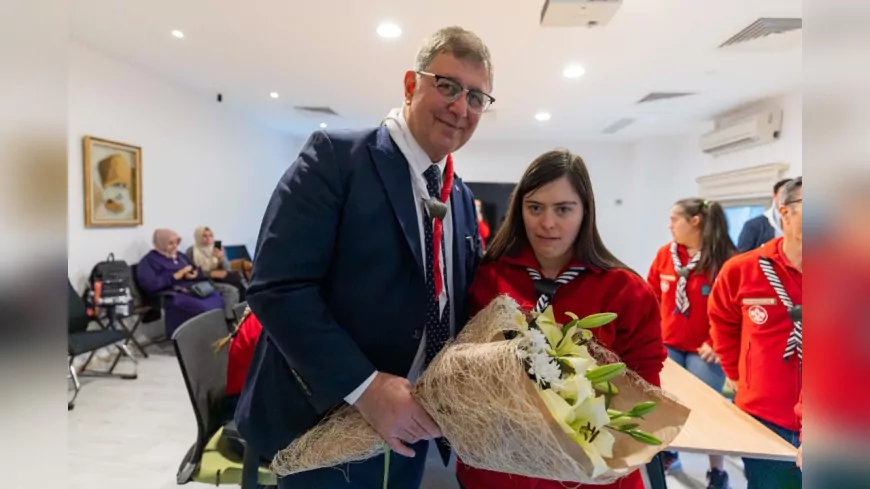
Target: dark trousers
x=235, y=279
x=771, y=474
x=405, y=473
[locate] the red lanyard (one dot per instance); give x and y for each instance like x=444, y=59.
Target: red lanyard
x=438, y=227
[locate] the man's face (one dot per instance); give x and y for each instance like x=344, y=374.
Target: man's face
x=439, y=125
x=792, y=216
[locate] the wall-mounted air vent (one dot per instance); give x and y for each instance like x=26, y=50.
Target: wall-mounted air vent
x=762, y=28
x=655, y=96
x=314, y=110
x=618, y=125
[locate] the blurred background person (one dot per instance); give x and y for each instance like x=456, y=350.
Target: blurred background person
x=763, y=228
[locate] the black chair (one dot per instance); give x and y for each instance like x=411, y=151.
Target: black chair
x=211, y=460
x=81, y=341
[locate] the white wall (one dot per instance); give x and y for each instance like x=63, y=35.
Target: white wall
x=609, y=166
x=648, y=176
x=664, y=170
x=203, y=164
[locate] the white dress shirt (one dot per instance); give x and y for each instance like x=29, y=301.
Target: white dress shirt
x=418, y=163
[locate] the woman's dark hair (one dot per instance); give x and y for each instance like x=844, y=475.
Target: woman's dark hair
x=716, y=244
x=548, y=167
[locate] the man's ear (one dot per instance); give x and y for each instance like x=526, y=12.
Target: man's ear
x=410, y=84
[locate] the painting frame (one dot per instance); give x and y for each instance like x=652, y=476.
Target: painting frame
x=129, y=180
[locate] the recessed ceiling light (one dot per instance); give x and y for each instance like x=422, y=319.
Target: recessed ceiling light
x=274, y=95
x=323, y=125
x=389, y=30
x=573, y=71
x=178, y=34
x=542, y=116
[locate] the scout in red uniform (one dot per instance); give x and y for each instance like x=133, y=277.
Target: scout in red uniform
x=682, y=276
x=756, y=319
x=550, y=242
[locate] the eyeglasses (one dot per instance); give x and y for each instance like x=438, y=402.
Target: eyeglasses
x=451, y=90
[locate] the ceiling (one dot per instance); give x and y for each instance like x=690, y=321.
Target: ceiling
x=327, y=53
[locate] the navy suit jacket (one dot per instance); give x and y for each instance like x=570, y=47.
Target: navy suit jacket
x=755, y=233
x=338, y=282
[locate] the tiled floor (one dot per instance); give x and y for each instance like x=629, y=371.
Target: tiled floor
x=134, y=433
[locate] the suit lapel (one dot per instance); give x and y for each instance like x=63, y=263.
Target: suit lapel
x=460, y=240
x=392, y=167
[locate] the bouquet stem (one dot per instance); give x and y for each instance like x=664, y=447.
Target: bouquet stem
x=386, y=465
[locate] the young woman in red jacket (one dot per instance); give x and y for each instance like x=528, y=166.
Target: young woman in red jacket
x=550, y=241
x=682, y=277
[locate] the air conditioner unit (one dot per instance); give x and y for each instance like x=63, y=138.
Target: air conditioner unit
x=578, y=13
x=754, y=130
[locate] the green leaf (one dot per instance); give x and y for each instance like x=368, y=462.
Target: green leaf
x=596, y=320
x=547, y=324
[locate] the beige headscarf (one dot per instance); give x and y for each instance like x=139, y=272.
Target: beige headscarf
x=163, y=239
x=203, y=255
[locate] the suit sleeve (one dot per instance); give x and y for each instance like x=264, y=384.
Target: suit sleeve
x=746, y=240
x=294, y=250
x=726, y=320
x=638, y=339
x=482, y=291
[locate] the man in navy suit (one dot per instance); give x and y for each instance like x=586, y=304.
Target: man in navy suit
x=763, y=228
x=362, y=266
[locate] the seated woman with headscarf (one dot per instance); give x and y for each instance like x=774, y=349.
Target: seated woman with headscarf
x=163, y=269
x=213, y=261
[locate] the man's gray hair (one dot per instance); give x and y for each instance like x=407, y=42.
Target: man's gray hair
x=790, y=190
x=463, y=44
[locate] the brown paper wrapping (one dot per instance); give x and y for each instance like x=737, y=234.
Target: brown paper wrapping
x=490, y=412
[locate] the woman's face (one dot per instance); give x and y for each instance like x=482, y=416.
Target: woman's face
x=552, y=216
x=207, y=237
x=684, y=229
x=172, y=246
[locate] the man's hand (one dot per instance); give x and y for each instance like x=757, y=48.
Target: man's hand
x=731, y=383
x=387, y=404
x=707, y=354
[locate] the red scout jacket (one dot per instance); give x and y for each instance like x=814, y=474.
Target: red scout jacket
x=686, y=333
x=750, y=328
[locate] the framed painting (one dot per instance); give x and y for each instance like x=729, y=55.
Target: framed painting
x=113, y=183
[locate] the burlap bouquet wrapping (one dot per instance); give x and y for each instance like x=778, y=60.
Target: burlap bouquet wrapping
x=490, y=412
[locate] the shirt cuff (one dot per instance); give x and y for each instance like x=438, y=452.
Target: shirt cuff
x=354, y=396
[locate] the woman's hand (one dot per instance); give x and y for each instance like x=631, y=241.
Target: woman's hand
x=707, y=354
x=182, y=273
x=192, y=274
x=219, y=274
x=218, y=253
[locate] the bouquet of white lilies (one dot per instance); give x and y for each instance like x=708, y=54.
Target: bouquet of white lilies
x=524, y=395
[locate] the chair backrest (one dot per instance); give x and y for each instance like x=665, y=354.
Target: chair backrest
x=235, y=252
x=76, y=313
x=239, y=309
x=204, y=370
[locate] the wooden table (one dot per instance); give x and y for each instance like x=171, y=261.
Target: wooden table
x=716, y=426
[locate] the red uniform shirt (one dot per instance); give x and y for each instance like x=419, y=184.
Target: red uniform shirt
x=241, y=353
x=635, y=335
x=679, y=331
x=750, y=328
